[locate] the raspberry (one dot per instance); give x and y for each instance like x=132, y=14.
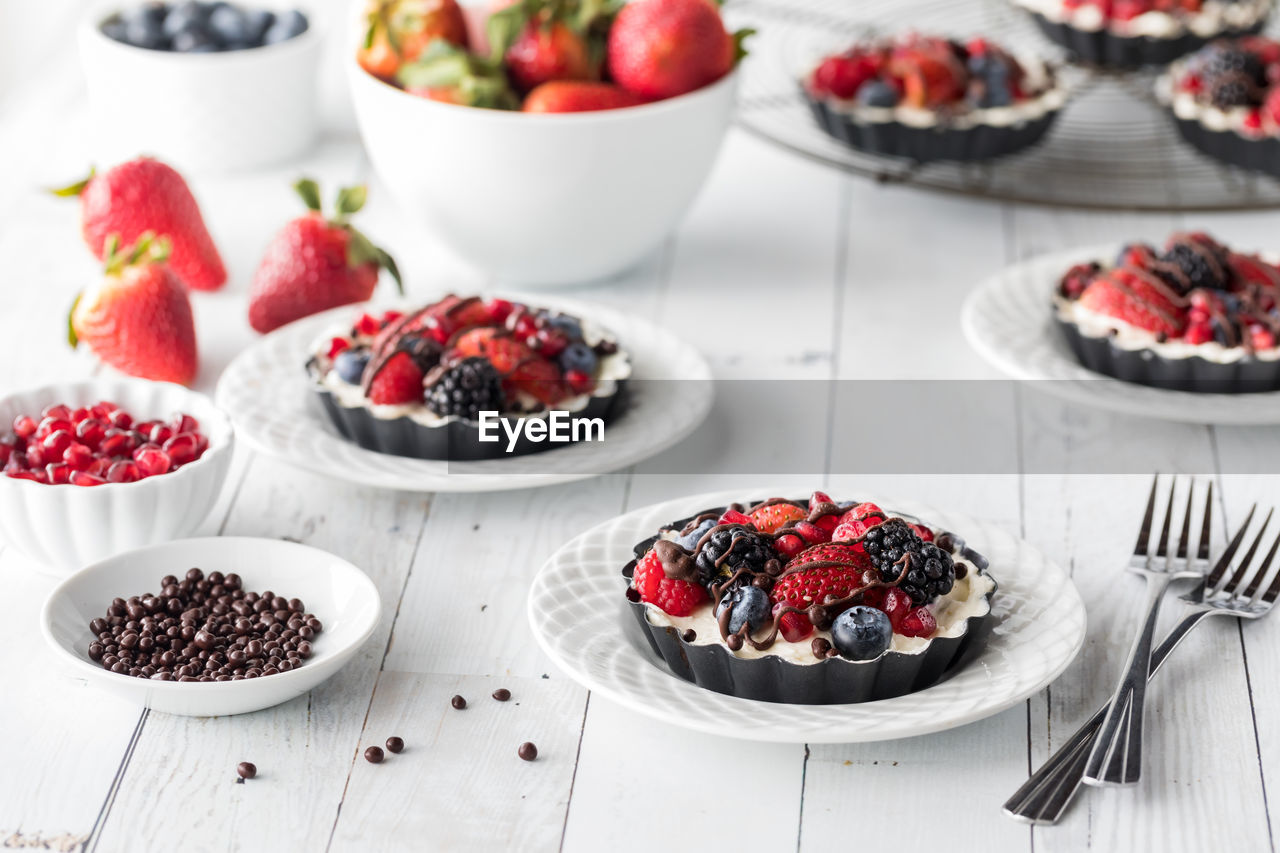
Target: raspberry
x=828, y=522
x=398, y=381
x=788, y=545
x=861, y=511
x=767, y=519
x=846, y=532
x=673, y=596
x=918, y=623
x=842, y=76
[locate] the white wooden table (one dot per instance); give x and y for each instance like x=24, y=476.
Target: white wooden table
x=825, y=270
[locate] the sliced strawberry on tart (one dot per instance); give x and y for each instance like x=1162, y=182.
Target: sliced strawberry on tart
x=809, y=601
x=418, y=383
x=1195, y=316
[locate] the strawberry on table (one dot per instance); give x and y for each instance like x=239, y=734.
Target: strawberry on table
x=146, y=196
x=315, y=263
x=138, y=318
x=663, y=48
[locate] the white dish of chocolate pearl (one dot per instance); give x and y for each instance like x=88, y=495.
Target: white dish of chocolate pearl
x=207, y=627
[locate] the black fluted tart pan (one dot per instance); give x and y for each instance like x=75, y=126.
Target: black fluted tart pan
x=1105, y=49
x=834, y=681
x=1227, y=146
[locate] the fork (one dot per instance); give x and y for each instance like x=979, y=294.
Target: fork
x=1116, y=756
x=1045, y=796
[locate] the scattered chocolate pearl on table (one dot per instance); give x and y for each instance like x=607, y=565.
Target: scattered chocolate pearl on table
x=502, y=694
x=246, y=770
x=203, y=628
x=373, y=755
x=527, y=751
x=395, y=744
x=458, y=702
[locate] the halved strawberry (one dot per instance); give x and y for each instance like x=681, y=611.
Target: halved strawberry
x=504, y=352
x=399, y=381
x=1130, y=298
x=537, y=377
x=768, y=519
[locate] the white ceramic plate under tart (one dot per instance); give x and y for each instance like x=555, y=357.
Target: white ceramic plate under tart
x=338, y=593
x=578, y=613
x=267, y=394
x=1009, y=321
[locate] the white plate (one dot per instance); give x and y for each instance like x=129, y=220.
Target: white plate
x=1009, y=321
x=578, y=613
x=341, y=596
x=267, y=394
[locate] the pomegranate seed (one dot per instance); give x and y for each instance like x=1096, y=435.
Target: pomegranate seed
x=22, y=475
x=124, y=471
x=59, y=473
x=181, y=448
x=388, y=317
x=121, y=419
x=918, y=623
x=78, y=456
x=366, y=325
x=551, y=343
x=103, y=410
x=185, y=423
x=58, y=412
x=56, y=443
x=579, y=382
x=17, y=462
x=48, y=426
x=499, y=309
x=99, y=466
x=159, y=434
x=732, y=516
x=202, y=444
x=91, y=431
x=80, y=414
x=116, y=443
x=152, y=461
x=83, y=478
x=24, y=426
x=337, y=345
x=6, y=450
x=794, y=626
x=525, y=326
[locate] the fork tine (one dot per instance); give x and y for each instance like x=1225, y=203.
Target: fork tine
x=1185, y=537
x=1243, y=570
x=1162, y=550
x=1225, y=560
x=1206, y=529
x=1262, y=571
x=1144, y=534
x=1274, y=590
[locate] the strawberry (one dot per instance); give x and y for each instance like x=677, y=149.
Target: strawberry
x=145, y=195
x=813, y=586
x=672, y=595
x=397, y=382
x=663, y=48
x=578, y=96
x=503, y=351
x=812, y=533
x=315, y=263
x=138, y=318
x=546, y=51
x=833, y=552
x=399, y=31
x=1126, y=297
x=538, y=378
x=768, y=519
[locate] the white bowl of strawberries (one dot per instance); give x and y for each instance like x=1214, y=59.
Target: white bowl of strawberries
x=90, y=469
x=535, y=161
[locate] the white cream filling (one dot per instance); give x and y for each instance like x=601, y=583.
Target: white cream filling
x=968, y=598
x=1213, y=18
x=1023, y=111
x=612, y=369
x=1126, y=336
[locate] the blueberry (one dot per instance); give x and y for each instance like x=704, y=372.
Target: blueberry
x=691, y=541
x=257, y=22
x=861, y=633
x=286, y=26
x=750, y=607
x=144, y=26
x=995, y=93
x=115, y=29
x=194, y=41
x=877, y=93
x=350, y=364
x=228, y=25
x=578, y=356
x=569, y=325
x=184, y=16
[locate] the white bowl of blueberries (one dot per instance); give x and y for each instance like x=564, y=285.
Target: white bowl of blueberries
x=207, y=86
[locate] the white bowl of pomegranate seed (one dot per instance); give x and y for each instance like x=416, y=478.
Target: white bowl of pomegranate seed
x=90, y=469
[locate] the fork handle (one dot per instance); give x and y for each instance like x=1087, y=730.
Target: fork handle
x=1116, y=757
x=1045, y=796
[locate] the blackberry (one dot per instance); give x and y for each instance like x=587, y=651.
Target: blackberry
x=1200, y=270
x=1231, y=61
x=732, y=548
x=1233, y=91
x=893, y=546
x=465, y=389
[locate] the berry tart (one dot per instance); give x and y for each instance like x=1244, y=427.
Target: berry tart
x=1134, y=33
x=1225, y=99
x=414, y=383
x=1195, y=317
x=809, y=602
x=928, y=98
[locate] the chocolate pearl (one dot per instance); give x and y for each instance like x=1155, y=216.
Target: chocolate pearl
x=246, y=770
x=961, y=571
x=688, y=635
x=527, y=751
x=95, y=651
x=214, y=577
x=734, y=642
x=395, y=744
x=195, y=575
x=373, y=755
x=295, y=604
x=458, y=703
x=97, y=626
x=168, y=580
x=304, y=650
x=204, y=640
x=820, y=646
x=254, y=648
x=502, y=694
